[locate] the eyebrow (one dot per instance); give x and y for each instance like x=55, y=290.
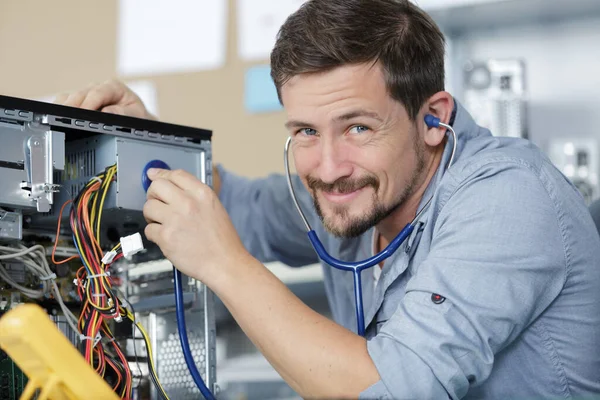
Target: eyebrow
x=297, y=124
x=358, y=113
x=344, y=117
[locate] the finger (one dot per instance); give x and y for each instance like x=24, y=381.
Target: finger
x=164, y=191
x=155, y=211
x=75, y=99
x=180, y=178
x=114, y=110
x=152, y=232
x=106, y=94
x=61, y=98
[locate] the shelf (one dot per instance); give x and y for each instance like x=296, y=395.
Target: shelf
x=463, y=15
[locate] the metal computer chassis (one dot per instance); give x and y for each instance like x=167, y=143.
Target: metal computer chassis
x=48, y=152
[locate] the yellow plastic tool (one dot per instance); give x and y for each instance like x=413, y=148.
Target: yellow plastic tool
x=49, y=360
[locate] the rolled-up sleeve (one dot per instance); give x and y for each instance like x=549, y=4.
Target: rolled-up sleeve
x=263, y=213
x=498, y=259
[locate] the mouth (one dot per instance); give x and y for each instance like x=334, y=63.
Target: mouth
x=341, y=198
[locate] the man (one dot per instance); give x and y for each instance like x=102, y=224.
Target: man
x=494, y=295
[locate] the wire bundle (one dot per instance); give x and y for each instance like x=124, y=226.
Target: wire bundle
x=34, y=260
x=99, y=301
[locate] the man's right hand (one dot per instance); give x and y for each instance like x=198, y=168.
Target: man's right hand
x=112, y=96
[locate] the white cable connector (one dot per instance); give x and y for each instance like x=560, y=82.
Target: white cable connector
x=109, y=257
x=131, y=245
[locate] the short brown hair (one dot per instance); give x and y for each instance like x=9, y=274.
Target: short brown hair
x=325, y=34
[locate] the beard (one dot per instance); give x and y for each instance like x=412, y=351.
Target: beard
x=352, y=227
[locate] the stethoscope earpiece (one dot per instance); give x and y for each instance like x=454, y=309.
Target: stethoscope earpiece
x=431, y=121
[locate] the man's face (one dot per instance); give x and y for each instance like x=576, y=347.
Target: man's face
x=354, y=146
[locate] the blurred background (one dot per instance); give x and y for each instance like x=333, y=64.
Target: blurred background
x=526, y=68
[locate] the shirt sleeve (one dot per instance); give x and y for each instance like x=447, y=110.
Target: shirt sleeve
x=264, y=215
x=498, y=259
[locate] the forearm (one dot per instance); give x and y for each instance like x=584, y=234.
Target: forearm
x=318, y=358
x=264, y=217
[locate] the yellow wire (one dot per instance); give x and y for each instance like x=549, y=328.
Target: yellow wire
x=93, y=215
x=89, y=184
x=96, y=221
x=111, y=173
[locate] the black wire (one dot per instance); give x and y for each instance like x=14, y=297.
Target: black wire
x=155, y=381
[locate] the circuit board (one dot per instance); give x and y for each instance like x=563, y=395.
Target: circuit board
x=12, y=379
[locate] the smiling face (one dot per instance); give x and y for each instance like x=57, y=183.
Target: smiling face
x=354, y=146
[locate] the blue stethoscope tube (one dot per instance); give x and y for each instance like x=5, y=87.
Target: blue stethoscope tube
x=357, y=267
x=179, y=305
x=183, y=337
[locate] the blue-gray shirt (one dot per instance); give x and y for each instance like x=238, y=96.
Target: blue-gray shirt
x=510, y=245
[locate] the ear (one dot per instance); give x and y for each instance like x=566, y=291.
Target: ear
x=440, y=105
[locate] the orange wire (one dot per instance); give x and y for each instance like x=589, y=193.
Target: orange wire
x=101, y=359
x=81, y=314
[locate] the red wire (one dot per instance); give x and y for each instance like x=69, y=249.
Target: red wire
x=126, y=366
x=116, y=369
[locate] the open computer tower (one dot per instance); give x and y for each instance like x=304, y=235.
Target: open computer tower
x=48, y=154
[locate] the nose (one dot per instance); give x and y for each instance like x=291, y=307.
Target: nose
x=334, y=163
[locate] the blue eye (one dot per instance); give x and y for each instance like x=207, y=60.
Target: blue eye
x=358, y=129
x=307, y=131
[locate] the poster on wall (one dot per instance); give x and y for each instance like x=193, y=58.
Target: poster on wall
x=258, y=24
x=260, y=94
x=160, y=37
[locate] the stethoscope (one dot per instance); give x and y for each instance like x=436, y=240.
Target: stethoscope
x=357, y=267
